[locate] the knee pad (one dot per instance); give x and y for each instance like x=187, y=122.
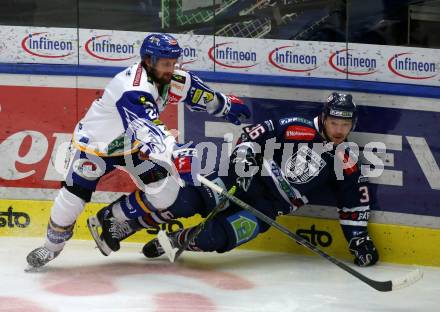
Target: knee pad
x=66, y=208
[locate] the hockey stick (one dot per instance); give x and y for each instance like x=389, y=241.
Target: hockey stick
x=174, y=253
x=390, y=285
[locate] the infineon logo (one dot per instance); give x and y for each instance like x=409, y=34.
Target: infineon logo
x=189, y=55
x=348, y=63
x=226, y=56
x=41, y=45
x=404, y=66
x=102, y=47
x=287, y=60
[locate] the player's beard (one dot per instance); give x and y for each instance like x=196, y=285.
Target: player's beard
x=165, y=79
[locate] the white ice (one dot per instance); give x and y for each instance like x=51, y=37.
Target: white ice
x=81, y=279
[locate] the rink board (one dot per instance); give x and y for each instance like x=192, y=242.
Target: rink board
x=37, y=126
x=396, y=243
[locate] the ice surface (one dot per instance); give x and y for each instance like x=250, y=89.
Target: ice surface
x=81, y=279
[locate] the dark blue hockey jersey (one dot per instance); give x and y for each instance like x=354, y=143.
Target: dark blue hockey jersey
x=311, y=164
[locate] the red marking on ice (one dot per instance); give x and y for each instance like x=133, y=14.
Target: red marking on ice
x=82, y=284
x=99, y=280
x=14, y=304
x=182, y=302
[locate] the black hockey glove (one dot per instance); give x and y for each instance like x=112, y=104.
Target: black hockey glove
x=364, y=251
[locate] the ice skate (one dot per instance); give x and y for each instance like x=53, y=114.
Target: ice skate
x=40, y=257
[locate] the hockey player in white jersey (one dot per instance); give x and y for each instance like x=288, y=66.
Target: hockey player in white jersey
x=122, y=128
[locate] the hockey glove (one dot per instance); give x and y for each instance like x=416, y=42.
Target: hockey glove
x=187, y=164
x=364, y=251
x=232, y=109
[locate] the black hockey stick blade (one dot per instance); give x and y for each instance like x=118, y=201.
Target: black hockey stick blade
x=397, y=283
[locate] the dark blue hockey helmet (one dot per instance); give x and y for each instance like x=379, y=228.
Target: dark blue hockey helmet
x=160, y=46
x=340, y=105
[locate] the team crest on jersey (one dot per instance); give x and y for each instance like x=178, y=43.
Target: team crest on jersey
x=304, y=165
x=146, y=132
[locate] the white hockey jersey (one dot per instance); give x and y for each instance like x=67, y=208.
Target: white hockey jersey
x=130, y=108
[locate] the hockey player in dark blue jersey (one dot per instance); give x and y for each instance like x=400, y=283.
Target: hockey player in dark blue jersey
x=277, y=166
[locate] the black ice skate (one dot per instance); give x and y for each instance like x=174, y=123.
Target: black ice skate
x=153, y=249
x=170, y=244
x=39, y=257
x=113, y=231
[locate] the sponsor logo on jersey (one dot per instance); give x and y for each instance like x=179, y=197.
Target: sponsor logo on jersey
x=115, y=145
x=87, y=169
x=201, y=97
x=286, y=59
x=299, y=133
x=173, y=98
x=355, y=215
x=177, y=85
x=410, y=66
x=225, y=55
x=44, y=45
x=104, y=48
x=138, y=76
x=289, y=120
x=350, y=63
x=282, y=183
x=304, y=165
x=362, y=179
x=316, y=237
x=12, y=219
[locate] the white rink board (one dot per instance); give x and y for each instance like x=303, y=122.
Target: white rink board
x=365, y=62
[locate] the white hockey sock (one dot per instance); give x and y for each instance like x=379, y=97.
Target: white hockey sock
x=65, y=210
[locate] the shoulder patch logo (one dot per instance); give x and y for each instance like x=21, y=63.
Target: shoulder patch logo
x=179, y=78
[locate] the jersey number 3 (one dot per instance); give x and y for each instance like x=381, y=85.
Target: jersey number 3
x=365, y=197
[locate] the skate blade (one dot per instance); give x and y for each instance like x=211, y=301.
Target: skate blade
x=93, y=225
x=165, y=243
x=31, y=269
